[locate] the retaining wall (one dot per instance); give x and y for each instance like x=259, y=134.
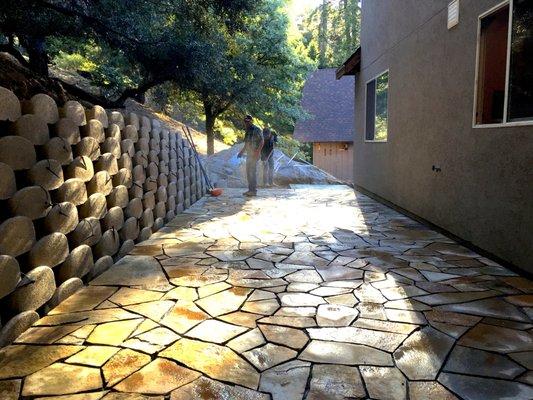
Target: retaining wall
x=78, y=188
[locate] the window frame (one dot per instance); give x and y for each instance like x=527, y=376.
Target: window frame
x=505, y=122
x=365, y=140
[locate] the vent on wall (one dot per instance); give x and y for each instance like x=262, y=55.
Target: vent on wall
x=453, y=14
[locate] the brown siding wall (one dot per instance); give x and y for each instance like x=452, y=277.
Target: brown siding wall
x=334, y=159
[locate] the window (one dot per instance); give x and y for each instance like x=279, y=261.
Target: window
x=377, y=114
x=505, y=65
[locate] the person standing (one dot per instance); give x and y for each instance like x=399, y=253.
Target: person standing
x=253, y=143
x=270, y=138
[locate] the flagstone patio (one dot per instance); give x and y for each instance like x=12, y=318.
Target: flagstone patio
x=296, y=294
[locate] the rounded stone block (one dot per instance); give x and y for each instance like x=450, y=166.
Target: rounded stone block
x=63, y=218
x=138, y=174
x=118, y=197
x=66, y=128
x=108, y=244
x=155, y=144
x=171, y=203
x=133, y=119
x=149, y=200
x=89, y=147
x=111, y=145
x=158, y=224
x=8, y=184
x=73, y=111
x=95, y=207
x=77, y=264
x=153, y=157
x=134, y=208
x=113, y=131
x=10, y=109
x=17, y=236
x=36, y=293
x=80, y=168
x=144, y=234
x=51, y=250
x=33, y=202
x=125, y=161
x=143, y=145
x=146, y=123
x=152, y=171
x=113, y=219
x=88, y=231
x=9, y=275
x=97, y=112
x=115, y=117
x=140, y=159
x=126, y=146
x=161, y=194
x=17, y=152
x=58, y=149
x=123, y=177
x=130, y=229
x=44, y=106
x=172, y=189
x=101, y=265
x=160, y=210
x=126, y=247
x=136, y=190
x=47, y=174
x=65, y=290
x=107, y=162
x=100, y=183
x=163, y=167
x=147, y=219
x=16, y=326
x=32, y=128
x=94, y=129
x=162, y=180
x=130, y=132
x=71, y=191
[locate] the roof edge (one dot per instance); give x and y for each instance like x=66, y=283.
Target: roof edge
x=351, y=66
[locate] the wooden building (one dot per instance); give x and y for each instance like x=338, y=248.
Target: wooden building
x=330, y=125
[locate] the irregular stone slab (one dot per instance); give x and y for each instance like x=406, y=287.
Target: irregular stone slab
x=213, y=360
x=429, y=390
x=159, y=377
x=232, y=255
x=366, y=293
x=259, y=294
x=330, y=291
x=422, y=354
x=45, y=335
x=344, y=353
x=335, y=382
x=385, y=383
x=241, y=318
x=215, y=331
x=402, y=292
x=87, y=317
x=123, y=364
x=474, y=388
x=93, y=356
x=306, y=258
x=127, y=296
x=497, y=338
x=453, y=298
x=183, y=316
x=296, y=322
x=181, y=293
x=113, y=333
x=159, y=336
x=406, y=316
x=57, y=379
x=78, y=336
x=153, y=309
x=385, y=326
x=224, y=302
x=334, y=315
x=10, y=390
x=286, y=381
x=248, y=341
x=300, y=300
x=143, y=271
x=293, y=338
x=196, y=281
x=84, y=299
x=212, y=289
x=489, y=308
x=20, y=360
x=264, y=307
x=525, y=358
x=205, y=388
x=470, y=361
x=387, y=341
x=269, y=355
x=301, y=287
x=339, y=273
x=306, y=276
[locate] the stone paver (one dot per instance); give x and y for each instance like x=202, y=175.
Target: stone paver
x=296, y=294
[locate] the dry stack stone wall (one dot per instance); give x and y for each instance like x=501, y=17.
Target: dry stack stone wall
x=79, y=187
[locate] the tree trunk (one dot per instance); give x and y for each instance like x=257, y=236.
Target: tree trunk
x=36, y=49
x=210, y=119
x=323, y=34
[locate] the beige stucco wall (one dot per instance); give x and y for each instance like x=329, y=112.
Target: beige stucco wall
x=484, y=193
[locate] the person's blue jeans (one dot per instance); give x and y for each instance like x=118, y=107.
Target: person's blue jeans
x=251, y=173
x=268, y=171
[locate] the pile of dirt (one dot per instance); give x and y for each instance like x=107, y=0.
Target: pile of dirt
x=227, y=170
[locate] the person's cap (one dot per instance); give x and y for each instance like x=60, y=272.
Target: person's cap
x=248, y=118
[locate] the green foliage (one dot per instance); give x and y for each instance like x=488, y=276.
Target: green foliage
x=291, y=147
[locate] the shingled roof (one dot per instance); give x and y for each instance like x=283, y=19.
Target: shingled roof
x=330, y=104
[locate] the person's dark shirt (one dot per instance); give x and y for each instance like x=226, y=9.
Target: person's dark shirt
x=270, y=138
x=252, y=139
